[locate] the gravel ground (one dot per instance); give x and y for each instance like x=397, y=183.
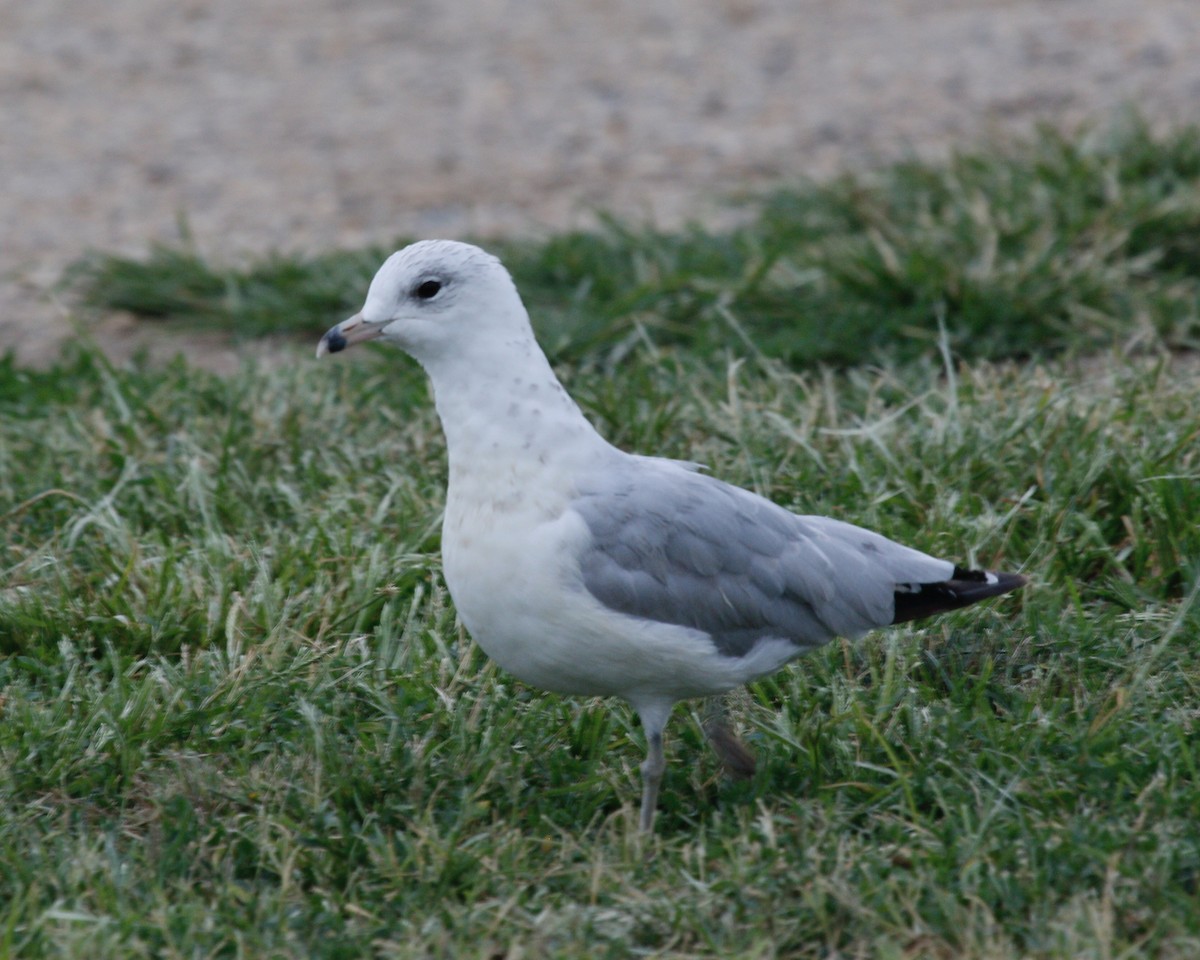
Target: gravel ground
x=299, y=124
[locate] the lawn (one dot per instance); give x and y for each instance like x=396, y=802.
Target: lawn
x=238, y=717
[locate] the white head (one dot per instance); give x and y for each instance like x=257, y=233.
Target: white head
x=433, y=297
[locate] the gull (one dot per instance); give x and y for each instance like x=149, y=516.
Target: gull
x=582, y=569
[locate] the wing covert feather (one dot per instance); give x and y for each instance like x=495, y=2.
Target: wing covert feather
x=681, y=547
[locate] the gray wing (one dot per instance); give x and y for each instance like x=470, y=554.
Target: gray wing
x=676, y=546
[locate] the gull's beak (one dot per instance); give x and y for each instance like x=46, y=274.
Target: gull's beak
x=352, y=330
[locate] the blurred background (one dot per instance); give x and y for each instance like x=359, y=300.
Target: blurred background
x=302, y=125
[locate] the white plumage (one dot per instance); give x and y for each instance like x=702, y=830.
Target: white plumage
x=586, y=570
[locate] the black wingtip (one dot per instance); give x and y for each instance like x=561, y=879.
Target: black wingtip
x=965, y=587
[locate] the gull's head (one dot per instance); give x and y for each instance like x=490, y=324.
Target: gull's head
x=431, y=297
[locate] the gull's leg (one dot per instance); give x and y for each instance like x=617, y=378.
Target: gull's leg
x=735, y=756
x=652, y=774
x=654, y=721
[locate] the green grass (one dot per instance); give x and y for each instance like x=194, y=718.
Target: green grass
x=1056, y=243
x=238, y=718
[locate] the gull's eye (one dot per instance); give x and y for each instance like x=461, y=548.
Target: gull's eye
x=428, y=289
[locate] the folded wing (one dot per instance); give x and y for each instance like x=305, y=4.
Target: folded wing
x=676, y=546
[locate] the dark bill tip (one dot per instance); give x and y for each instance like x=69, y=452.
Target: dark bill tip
x=334, y=342
x=350, y=331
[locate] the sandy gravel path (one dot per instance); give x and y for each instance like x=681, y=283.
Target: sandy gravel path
x=306, y=124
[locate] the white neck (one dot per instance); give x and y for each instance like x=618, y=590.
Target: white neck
x=500, y=403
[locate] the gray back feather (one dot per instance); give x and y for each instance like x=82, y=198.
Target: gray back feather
x=676, y=546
